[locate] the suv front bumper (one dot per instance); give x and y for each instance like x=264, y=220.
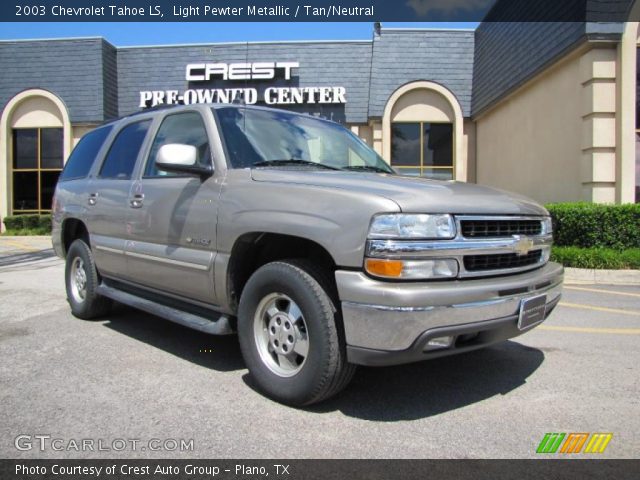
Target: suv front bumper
x=390, y=323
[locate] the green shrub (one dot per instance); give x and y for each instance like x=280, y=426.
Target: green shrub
x=28, y=225
x=14, y=223
x=631, y=257
x=31, y=221
x=590, y=225
x=597, y=258
x=45, y=223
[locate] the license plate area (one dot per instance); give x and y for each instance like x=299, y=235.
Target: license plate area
x=532, y=311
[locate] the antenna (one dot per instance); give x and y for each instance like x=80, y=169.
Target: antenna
x=246, y=83
x=239, y=99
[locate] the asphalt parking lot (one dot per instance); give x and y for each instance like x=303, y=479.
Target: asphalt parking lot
x=132, y=376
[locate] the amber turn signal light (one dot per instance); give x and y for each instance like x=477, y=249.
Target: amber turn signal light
x=384, y=268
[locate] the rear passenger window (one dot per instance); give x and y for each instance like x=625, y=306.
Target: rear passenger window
x=185, y=128
x=84, y=154
x=121, y=159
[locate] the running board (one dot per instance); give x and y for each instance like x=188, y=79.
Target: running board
x=219, y=326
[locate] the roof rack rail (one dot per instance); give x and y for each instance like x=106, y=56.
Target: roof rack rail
x=161, y=106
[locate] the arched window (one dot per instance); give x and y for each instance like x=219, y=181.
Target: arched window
x=422, y=132
x=36, y=133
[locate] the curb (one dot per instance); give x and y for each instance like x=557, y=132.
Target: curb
x=26, y=237
x=601, y=277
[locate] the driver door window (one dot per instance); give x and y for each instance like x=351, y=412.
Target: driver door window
x=185, y=128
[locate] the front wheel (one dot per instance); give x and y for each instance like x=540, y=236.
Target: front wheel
x=289, y=334
x=81, y=279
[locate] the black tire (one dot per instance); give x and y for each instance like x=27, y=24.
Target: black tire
x=92, y=305
x=324, y=371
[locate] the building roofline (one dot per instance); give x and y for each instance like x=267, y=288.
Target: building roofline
x=199, y=44
x=61, y=39
x=259, y=42
x=10, y=40
x=265, y=42
x=424, y=30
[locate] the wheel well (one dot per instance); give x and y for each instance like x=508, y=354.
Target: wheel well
x=253, y=250
x=73, y=229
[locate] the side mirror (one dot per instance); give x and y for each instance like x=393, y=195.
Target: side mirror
x=179, y=158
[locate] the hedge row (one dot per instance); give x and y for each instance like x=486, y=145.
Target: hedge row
x=30, y=224
x=597, y=258
x=590, y=225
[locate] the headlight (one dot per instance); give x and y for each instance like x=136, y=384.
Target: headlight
x=547, y=225
x=412, y=269
x=411, y=226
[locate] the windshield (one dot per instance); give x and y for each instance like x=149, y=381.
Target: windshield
x=268, y=138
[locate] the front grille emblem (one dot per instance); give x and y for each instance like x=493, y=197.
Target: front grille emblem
x=523, y=245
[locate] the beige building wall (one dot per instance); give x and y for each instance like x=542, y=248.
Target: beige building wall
x=627, y=152
x=469, y=148
x=555, y=139
x=365, y=132
x=531, y=142
x=376, y=138
x=77, y=132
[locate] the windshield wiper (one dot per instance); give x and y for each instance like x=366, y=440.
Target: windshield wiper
x=292, y=161
x=366, y=168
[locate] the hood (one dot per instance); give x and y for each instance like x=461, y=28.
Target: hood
x=412, y=194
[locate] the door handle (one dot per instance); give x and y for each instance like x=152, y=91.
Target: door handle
x=137, y=200
x=93, y=198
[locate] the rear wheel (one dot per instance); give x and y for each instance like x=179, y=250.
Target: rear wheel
x=81, y=279
x=290, y=334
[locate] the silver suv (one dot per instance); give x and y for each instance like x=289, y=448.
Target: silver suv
x=292, y=232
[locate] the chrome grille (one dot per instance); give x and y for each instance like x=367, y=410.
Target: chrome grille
x=499, y=228
x=501, y=261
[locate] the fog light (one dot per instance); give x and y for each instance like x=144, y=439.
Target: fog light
x=438, y=343
x=425, y=269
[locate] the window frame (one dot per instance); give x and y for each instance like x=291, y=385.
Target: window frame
x=37, y=170
x=636, y=187
x=422, y=166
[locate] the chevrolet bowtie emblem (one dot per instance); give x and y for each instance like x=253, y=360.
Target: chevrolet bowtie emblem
x=523, y=245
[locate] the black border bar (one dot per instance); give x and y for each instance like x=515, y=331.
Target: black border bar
x=547, y=469
x=316, y=11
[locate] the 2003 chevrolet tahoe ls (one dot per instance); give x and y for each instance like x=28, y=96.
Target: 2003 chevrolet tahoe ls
x=291, y=231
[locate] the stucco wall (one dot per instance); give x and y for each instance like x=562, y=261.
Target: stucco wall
x=469, y=150
x=78, y=131
x=531, y=142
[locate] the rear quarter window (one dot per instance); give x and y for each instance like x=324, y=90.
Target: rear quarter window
x=84, y=154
